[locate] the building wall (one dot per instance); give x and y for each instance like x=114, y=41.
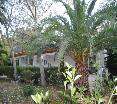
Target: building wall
x=69, y=60
x=23, y=60
x=51, y=60
x=47, y=60
x=35, y=61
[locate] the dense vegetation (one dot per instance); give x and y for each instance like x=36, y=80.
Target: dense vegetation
x=81, y=34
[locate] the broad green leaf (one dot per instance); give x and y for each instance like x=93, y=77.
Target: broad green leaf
x=100, y=100
x=115, y=90
x=73, y=90
x=41, y=94
x=68, y=65
x=47, y=93
x=77, y=77
x=73, y=71
x=37, y=98
x=70, y=79
x=115, y=79
x=64, y=74
x=65, y=83
x=69, y=73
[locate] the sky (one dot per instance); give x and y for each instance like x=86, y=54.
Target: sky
x=58, y=8
x=20, y=12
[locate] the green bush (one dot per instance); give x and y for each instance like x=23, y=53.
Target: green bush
x=6, y=70
x=27, y=76
x=53, y=76
x=33, y=69
x=29, y=73
x=28, y=90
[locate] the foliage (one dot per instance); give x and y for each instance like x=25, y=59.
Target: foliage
x=54, y=77
x=114, y=93
x=14, y=93
x=70, y=95
x=102, y=88
x=111, y=64
x=24, y=72
x=28, y=90
x=73, y=31
x=83, y=31
x=6, y=70
x=106, y=37
x=70, y=75
x=20, y=69
x=41, y=98
x=3, y=54
x=26, y=76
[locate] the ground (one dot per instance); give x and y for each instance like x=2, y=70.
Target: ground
x=12, y=92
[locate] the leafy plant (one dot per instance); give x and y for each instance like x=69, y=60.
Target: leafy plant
x=114, y=92
x=28, y=90
x=70, y=75
x=6, y=70
x=70, y=95
x=54, y=77
x=27, y=75
x=41, y=98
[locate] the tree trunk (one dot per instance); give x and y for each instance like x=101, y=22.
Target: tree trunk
x=42, y=72
x=14, y=66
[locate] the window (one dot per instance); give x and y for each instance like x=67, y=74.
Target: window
x=45, y=62
x=24, y=59
x=31, y=61
x=17, y=62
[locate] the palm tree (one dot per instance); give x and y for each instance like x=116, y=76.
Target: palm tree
x=79, y=33
x=76, y=30
x=75, y=33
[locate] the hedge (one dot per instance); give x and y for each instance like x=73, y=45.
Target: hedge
x=32, y=69
x=6, y=70
x=54, y=76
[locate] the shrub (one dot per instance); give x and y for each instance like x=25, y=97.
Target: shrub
x=29, y=73
x=33, y=69
x=28, y=90
x=6, y=70
x=111, y=64
x=53, y=76
x=26, y=75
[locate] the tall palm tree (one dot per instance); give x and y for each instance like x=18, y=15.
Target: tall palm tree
x=79, y=33
x=75, y=31
x=82, y=27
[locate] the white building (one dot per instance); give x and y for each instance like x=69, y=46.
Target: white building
x=48, y=59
